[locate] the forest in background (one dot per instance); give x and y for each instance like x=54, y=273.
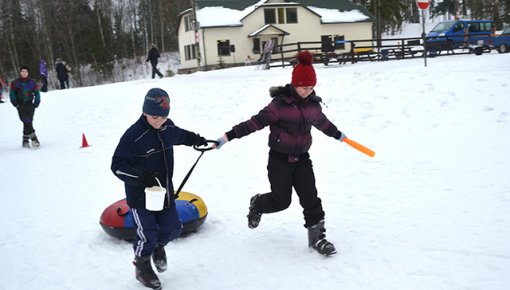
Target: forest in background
x=92, y=33
x=101, y=34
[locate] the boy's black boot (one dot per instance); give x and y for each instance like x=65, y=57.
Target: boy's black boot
x=35, y=141
x=253, y=215
x=317, y=239
x=145, y=274
x=25, y=143
x=159, y=258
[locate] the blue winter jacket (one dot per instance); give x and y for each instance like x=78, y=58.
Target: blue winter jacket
x=144, y=149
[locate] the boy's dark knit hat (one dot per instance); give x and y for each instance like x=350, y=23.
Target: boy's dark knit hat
x=24, y=67
x=303, y=74
x=156, y=103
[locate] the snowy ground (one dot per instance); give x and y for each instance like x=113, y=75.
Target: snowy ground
x=430, y=211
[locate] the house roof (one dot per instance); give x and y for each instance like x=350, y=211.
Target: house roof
x=341, y=5
x=233, y=11
x=232, y=4
x=268, y=29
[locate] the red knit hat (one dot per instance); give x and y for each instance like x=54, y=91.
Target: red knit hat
x=303, y=74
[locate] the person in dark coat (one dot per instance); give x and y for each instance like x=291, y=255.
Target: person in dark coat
x=144, y=153
x=25, y=97
x=153, y=58
x=290, y=116
x=43, y=71
x=1, y=91
x=62, y=73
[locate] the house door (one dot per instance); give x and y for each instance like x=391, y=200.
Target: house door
x=271, y=45
x=327, y=43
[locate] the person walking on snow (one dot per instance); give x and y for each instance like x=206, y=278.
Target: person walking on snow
x=144, y=153
x=62, y=73
x=43, y=71
x=25, y=97
x=290, y=115
x=1, y=91
x=153, y=58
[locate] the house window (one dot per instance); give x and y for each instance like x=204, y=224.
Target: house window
x=339, y=41
x=291, y=15
x=187, y=23
x=189, y=52
x=331, y=42
x=223, y=47
x=269, y=16
x=280, y=15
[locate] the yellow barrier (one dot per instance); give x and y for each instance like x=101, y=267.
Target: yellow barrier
x=359, y=50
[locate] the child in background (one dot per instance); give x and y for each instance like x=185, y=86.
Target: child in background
x=25, y=97
x=1, y=91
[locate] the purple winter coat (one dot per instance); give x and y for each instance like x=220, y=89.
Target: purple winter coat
x=42, y=68
x=290, y=119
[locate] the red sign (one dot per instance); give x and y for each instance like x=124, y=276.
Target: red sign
x=423, y=4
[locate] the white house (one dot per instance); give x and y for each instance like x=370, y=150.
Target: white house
x=232, y=31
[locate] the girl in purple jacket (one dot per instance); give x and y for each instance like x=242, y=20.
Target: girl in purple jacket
x=290, y=116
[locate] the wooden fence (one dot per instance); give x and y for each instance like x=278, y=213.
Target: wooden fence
x=353, y=51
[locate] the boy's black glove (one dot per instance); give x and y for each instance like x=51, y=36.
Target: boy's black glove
x=149, y=179
x=201, y=141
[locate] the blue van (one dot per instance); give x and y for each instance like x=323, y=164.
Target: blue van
x=458, y=33
x=502, y=41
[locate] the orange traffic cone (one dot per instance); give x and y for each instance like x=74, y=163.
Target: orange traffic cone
x=84, y=142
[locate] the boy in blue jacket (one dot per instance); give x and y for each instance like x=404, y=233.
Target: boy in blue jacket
x=144, y=153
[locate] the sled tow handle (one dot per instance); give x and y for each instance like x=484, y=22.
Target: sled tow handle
x=202, y=151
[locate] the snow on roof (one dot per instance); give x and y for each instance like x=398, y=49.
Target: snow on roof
x=259, y=30
x=221, y=16
x=210, y=16
x=334, y=15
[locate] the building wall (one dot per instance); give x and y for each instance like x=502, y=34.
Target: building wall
x=186, y=38
x=308, y=28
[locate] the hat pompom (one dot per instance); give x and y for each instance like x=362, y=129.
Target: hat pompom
x=303, y=74
x=304, y=57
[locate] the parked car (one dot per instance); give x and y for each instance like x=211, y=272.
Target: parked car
x=502, y=42
x=449, y=35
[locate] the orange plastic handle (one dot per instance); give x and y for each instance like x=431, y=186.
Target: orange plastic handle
x=360, y=147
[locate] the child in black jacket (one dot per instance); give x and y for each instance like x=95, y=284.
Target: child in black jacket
x=144, y=153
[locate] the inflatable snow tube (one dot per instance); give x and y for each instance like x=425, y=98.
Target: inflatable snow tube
x=117, y=219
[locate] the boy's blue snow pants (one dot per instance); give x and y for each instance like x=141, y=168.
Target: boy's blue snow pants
x=153, y=228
